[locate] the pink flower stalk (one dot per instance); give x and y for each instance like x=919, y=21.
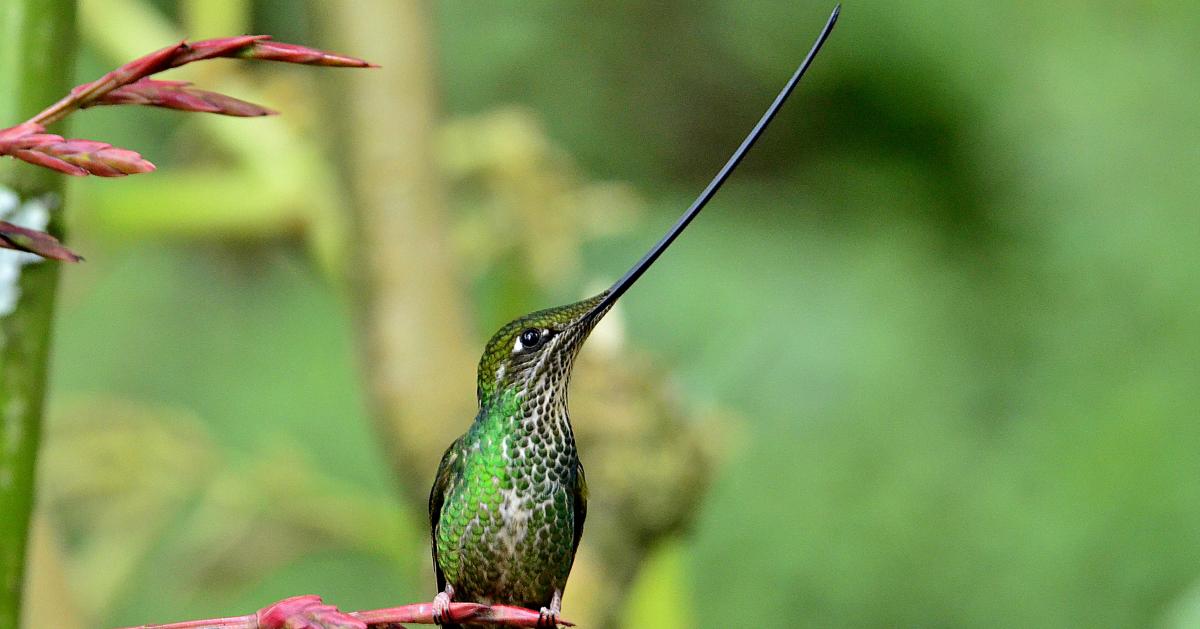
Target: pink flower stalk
x=309, y=612
x=130, y=85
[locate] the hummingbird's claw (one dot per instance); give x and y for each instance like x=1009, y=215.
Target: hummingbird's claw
x=441, y=606
x=547, y=619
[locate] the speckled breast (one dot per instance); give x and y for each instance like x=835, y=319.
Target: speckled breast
x=507, y=524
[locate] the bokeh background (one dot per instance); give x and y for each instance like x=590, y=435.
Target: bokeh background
x=928, y=360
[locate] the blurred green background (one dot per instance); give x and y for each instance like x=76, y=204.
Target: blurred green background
x=939, y=334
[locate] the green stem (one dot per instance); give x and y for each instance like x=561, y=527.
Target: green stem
x=37, y=45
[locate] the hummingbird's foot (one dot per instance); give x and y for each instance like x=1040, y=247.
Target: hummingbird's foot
x=305, y=612
x=548, y=617
x=441, y=605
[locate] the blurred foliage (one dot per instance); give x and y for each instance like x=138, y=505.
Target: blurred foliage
x=513, y=182
x=510, y=180
x=952, y=295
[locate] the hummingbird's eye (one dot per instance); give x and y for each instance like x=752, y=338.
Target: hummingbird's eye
x=531, y=338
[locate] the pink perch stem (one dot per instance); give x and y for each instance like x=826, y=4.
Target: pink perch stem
x=310, y=609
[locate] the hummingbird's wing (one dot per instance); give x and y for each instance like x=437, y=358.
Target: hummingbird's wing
x=581, y=498
x=437, y=497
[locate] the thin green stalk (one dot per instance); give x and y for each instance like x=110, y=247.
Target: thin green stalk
x=36, y=64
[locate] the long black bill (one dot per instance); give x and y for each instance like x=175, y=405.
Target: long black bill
x=638, y=269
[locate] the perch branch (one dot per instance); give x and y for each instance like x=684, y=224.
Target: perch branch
x=309, y=612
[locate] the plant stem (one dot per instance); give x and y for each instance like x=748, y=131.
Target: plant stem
x=416, y=344
x=36, y=63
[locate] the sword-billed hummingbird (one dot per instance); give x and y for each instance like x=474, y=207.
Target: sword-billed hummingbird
x=509, y=501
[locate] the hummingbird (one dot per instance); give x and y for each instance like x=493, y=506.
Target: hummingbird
x=509, y=499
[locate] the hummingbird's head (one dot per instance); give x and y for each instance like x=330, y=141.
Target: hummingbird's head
x=537, y=351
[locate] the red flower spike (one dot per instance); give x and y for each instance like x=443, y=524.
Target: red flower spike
x=130, y=85
x=36, y=242
x=214, y=48
x=21, y=130
x=267, y=50
x=245, y=47
x=47, y=161
x=181, y=96
x=141, y=67
x=76, y=157
x=84, y=95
